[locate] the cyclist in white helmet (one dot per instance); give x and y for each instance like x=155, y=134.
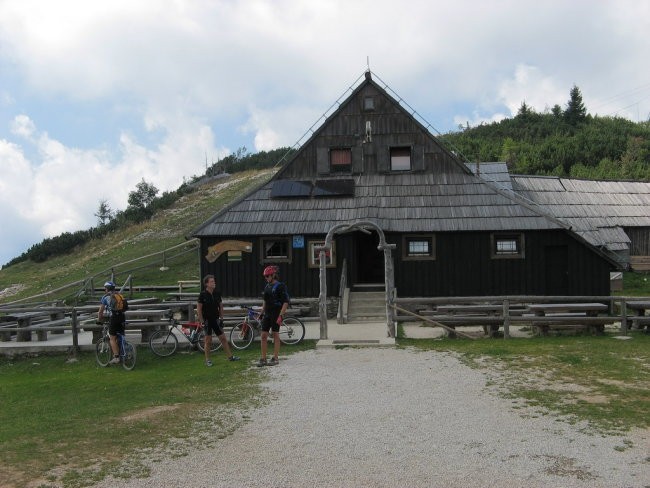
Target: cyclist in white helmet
x=117, y=319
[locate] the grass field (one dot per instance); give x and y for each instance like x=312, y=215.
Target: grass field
x=69, y=423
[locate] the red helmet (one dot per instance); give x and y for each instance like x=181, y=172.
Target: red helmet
x=270, y=270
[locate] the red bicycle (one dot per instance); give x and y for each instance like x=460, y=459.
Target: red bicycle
x=164, y=342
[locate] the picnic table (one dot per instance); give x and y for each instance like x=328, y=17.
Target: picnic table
x=589, y=309
x=24, y=320
x=490, y=309
x=569, y=313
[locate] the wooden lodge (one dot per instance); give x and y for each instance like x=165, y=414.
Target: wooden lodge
x=454, y=232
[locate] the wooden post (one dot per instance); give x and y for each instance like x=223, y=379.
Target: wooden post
x=75, y=332
x=322, y=297
x=506, y=319
x=389, y=280
x=24, y=335
x=624, y=327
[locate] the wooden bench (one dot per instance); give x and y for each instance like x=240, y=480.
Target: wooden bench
x=639, y=320
x=188, y=283
x=6, y=330
x=489, y=315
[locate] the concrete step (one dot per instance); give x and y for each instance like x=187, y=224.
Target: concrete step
x=361, y=319
x=366, y=307
x=368, y=287
x=367, y=295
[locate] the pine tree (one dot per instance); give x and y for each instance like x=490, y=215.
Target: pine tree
x=575, y=112
x=104, y=213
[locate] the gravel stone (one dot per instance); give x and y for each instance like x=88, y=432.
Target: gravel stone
x=370, y=417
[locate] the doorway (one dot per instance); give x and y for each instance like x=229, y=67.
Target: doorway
x=370, y=260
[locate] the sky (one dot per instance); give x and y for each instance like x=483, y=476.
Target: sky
x=96, y=96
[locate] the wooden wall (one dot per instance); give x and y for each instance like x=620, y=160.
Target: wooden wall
x=463, y=267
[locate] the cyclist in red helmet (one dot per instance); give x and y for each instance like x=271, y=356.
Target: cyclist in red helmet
x=276, y=301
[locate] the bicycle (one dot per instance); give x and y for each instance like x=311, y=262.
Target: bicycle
x=292, y=330
x=104, y=353
x=164, y=342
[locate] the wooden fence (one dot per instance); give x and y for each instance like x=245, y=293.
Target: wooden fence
x=541, y=312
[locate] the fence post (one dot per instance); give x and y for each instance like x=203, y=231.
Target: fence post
x=623, y=317
x=75, y=332
x=506, y=318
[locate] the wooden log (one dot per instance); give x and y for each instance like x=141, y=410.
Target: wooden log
x=451, y=330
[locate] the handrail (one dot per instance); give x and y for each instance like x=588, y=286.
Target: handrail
x=342, y=286
x=87, y=283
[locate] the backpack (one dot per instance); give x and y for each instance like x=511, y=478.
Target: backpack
x=278, y=299
x=119, y=303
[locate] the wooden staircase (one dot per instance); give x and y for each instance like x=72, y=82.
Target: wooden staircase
x=367, y=306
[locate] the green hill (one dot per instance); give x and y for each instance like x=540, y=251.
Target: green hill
x=136, y=250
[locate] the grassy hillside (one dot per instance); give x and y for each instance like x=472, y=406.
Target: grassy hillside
x=165, y=230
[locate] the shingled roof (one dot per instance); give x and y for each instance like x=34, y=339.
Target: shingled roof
x=598, y=211
x=441, y=202
x=443, y=197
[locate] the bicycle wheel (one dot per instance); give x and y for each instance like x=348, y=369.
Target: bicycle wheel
x=241, y=335
x=292, y=331
x=163, y=342
x=128, y=360
x=215, y=346
x=103, y=352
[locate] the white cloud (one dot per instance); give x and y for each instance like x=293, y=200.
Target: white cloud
x=158, y=86
x=62, y=192
x=530, y=85
x=22, y=126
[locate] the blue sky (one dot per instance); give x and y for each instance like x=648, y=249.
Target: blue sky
x=96, y=96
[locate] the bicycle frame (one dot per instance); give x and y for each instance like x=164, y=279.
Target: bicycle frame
x=104, y=352
x=164, y=342
x=292, y=330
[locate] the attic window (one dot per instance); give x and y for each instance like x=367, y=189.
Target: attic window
x=341, y=160
x=400, y=158
x=507, y=246
x=368, y=104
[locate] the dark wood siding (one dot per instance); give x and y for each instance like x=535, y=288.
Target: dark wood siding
x=244, y=278
x=463, y=267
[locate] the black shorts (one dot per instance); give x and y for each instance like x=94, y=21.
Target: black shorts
x=269, y=321
x=214, y=326
x=117, y=324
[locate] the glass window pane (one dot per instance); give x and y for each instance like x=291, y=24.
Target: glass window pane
x=507, y=246
x=419, y=248
x=275, y=249
x=400, y=158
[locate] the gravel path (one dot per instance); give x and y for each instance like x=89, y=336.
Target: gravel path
x=399, y=418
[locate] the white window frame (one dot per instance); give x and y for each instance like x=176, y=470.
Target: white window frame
x=313, y=256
